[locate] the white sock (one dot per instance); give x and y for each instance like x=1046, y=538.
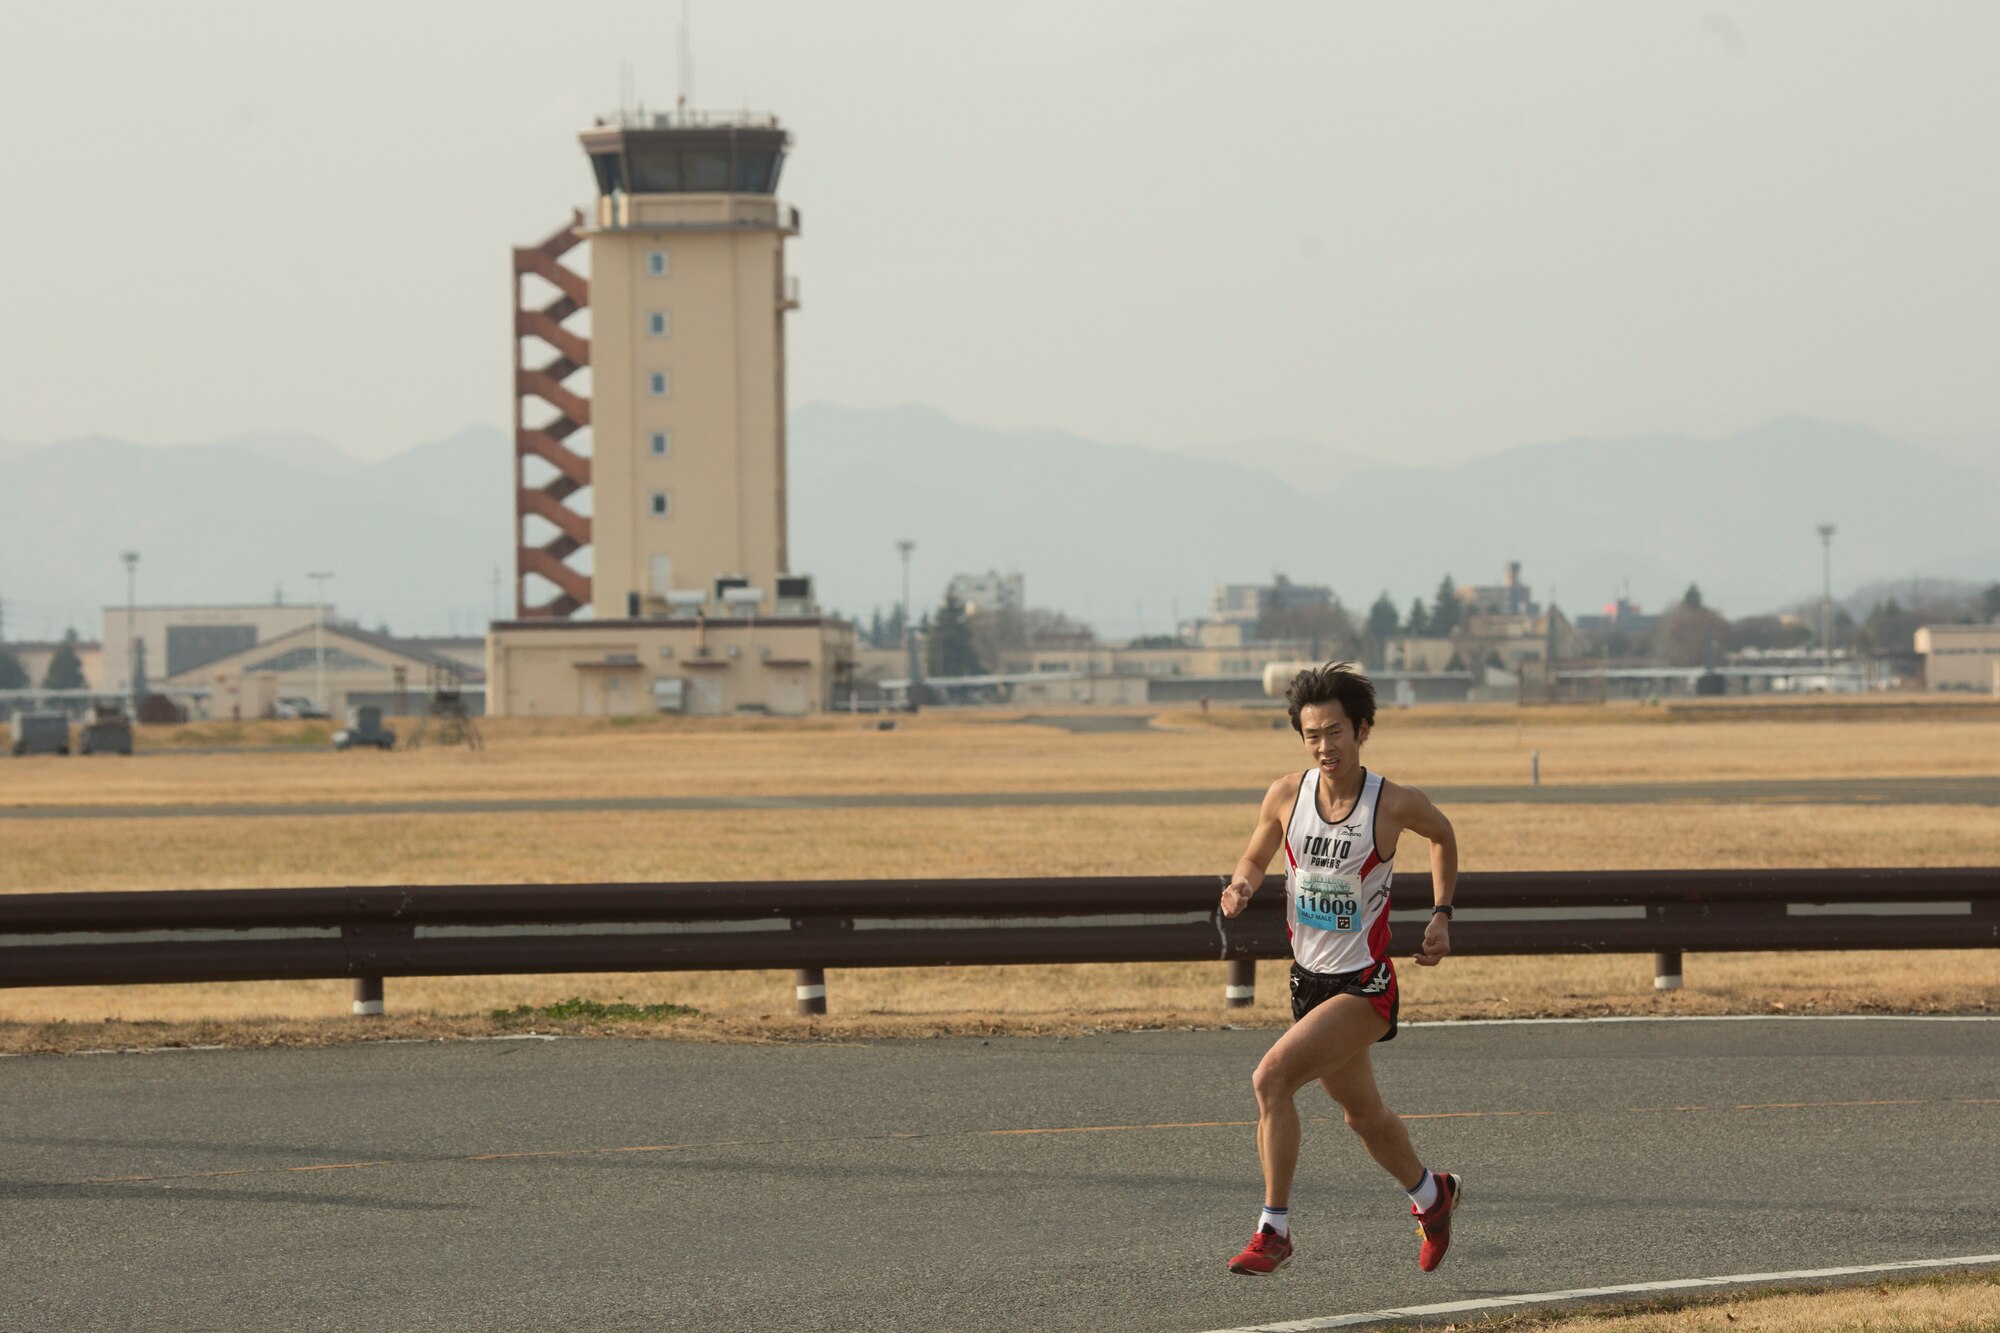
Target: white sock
x=1425, y=1195
x=1278, y=1219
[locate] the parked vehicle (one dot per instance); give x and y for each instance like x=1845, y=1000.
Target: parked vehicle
x=291, y=707
x=40, y=733
x=109, y=731
x=364, y=727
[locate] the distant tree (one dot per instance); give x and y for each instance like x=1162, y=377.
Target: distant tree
x=1493, y=660
x=1692, y=597
x=998, y=632
x=1989, y=601
x=1445, y=609
x=13, y=676
x=1418, y=625
x=949, y=651
x=1691, y=636
x=873, y=634
x=1053, y=629
x=1457, y=663
x=1383, y=622
x=65, y=667
x=1884, y=611
x=1325, y=624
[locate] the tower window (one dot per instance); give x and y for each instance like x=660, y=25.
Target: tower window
x=662, y=443
x=662, y=505
x=656, y=264
x=659, y=324
x=658, y=384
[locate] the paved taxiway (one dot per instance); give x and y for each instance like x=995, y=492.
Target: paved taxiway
x=1091, y=1183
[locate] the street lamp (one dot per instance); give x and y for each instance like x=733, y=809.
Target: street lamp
x=1826, y=602
x=131, y=559
x=909, y=639
x=319, y=643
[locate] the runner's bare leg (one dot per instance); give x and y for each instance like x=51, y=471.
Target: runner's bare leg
x=1380, y=1129
x=1318, y=1046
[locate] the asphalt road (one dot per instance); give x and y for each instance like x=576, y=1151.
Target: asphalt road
x=1819, y=791
x=1094, y=1183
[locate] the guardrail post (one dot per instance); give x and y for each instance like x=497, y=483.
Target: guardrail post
x=810, y=983
x=1666, y=969
x=368, y=995
x=1241, y=992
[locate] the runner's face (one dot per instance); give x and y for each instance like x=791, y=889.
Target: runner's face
x=1333, y=741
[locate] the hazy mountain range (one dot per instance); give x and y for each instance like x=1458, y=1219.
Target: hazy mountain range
x=1122, y=535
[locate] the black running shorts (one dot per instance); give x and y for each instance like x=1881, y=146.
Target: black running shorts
x=1375, y=984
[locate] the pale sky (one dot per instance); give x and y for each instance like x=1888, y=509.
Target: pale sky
x=1418, y=231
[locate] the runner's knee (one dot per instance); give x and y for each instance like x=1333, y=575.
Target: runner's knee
x=1273, y=1083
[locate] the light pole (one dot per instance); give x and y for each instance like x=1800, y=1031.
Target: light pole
x=909, y=637
x=131, y=559
x=1826, y=602
x=319, y=643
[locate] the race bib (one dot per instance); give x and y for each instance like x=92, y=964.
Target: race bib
x=1330, y=902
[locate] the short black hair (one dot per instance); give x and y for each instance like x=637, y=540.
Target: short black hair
x=1341, y=682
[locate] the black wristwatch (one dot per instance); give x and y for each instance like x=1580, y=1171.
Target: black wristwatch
x=1442, y=907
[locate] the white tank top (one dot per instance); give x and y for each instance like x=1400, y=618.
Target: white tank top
x=1336, y=886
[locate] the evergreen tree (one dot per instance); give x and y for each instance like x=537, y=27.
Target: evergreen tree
x=13, y=676
x=1989, y=601
x=950, y=651
x=1418, y=626
x=1445, y=609
x=1382, y=619
x=65, y=668
x=1692, y=597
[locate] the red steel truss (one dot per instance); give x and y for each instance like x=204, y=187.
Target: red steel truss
x=550, y=442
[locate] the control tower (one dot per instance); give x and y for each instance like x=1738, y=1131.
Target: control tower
x=680, y=552
x=688, y=302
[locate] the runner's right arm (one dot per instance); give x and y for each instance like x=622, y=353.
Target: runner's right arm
x=1265, y=840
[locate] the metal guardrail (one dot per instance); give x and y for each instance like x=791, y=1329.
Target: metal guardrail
x=76, y=939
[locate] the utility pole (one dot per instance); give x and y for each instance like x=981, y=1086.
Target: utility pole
x=131, y=559
x=909, y=634
x=1826, y=602
x=319, y=643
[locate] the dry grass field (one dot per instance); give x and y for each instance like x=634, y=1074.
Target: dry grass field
x=942, y=751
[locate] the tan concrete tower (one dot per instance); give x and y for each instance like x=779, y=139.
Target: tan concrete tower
x=688, y=297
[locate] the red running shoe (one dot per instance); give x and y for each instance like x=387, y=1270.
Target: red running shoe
x=1435, y=1225
x=1266, y=1253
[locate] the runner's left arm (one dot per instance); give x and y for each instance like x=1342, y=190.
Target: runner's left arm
x=1412, y=810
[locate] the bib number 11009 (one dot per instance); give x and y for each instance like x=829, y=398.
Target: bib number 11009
x=1330, y=902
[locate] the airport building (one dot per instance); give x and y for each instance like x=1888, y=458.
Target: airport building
x=163, y=642
x=670, y=587
x=1961, y=657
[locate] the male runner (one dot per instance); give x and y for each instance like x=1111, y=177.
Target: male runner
x=1339, y=825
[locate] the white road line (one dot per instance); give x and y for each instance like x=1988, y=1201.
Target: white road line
x=1589, y=1293
x=1706, y=1018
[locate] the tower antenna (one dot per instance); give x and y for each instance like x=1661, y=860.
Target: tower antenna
x=687, y=64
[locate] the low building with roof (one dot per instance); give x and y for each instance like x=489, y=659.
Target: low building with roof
x=1960, y=657
x=334, y=667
